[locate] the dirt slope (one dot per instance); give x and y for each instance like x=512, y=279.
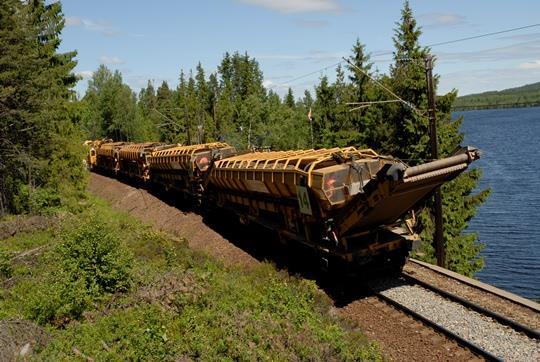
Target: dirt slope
x=148, y=208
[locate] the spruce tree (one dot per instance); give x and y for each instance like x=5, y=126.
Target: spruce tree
x=324, y=114
x=39, y=145
x=289, y=98
x=412, y=144
x=343, y=131
x=213, y=98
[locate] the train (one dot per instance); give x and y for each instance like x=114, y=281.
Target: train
x=355, y=209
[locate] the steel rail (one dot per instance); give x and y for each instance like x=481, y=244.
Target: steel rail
x=474, y=284
x=460, y=340
x=532, y=333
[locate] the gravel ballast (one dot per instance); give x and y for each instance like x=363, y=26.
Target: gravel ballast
x=512, y=310
x=500, y=340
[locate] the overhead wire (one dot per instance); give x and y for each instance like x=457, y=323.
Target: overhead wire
x=285, y=84
x=396, y=97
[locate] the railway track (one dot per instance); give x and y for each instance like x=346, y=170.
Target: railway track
x=475, y=284
x=488, y=334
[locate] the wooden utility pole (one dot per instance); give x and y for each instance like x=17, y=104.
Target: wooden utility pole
x=440, y=252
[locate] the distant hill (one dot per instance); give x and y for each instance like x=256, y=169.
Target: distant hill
x=525, y=96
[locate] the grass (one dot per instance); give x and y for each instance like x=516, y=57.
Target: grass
x=144, y=295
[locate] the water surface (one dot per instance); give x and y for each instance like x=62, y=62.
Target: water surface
x=509, y=221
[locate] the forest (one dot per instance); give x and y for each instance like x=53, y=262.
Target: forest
x=524, y=96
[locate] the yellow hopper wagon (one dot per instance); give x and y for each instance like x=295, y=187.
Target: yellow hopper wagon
x=107, y=156
x=347, y=204
x=183, y=168
x=134, y=158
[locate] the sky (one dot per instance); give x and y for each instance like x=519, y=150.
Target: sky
x=298, y=41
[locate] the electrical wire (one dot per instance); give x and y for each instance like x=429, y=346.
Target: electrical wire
x=391, y=52
x=396, y=97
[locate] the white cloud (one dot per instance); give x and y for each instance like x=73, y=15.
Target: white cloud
x=99, y=27
x=268, y=83
x=72, y=21
x=110, y=60
x=433, y=20
x=85, y=74
x=296, y=6
x=530, y=65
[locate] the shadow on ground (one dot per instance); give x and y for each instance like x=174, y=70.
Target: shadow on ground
x=264, y=245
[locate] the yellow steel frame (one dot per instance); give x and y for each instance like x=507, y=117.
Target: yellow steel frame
x=182, y=154
x=281, y=162
x=132, y=151
x=107, y=148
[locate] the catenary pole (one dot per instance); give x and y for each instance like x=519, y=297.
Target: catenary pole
x=438, y=236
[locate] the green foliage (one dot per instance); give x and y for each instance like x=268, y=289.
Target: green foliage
x=84, y=264
x=181, y=304
x=525, y=96
x=36, y=136
x=6, y=269
x=33, y=199
x=231, y=105
x=55, y=300
x=112, y=109
x=93, y=254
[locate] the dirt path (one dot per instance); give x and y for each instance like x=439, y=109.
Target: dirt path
x=398, y=339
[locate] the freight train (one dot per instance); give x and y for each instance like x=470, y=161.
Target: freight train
x=353, y=208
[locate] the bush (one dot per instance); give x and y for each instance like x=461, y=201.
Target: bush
x=94, y=254
x=55, y=301
x=6, y=269
x=89, y=263
x=35, y=199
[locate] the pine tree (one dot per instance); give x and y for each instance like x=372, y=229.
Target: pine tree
x=408, y=81
x=169, y=127
x=205, y=121
x=368, y=122
x=361, y=65
x=412, y=144
x=150, y=120
x=240, y=107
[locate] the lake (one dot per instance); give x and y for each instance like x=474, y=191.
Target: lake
x=509, y=222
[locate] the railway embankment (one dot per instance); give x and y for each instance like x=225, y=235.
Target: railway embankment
x=400, y=335
x=100, y=285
